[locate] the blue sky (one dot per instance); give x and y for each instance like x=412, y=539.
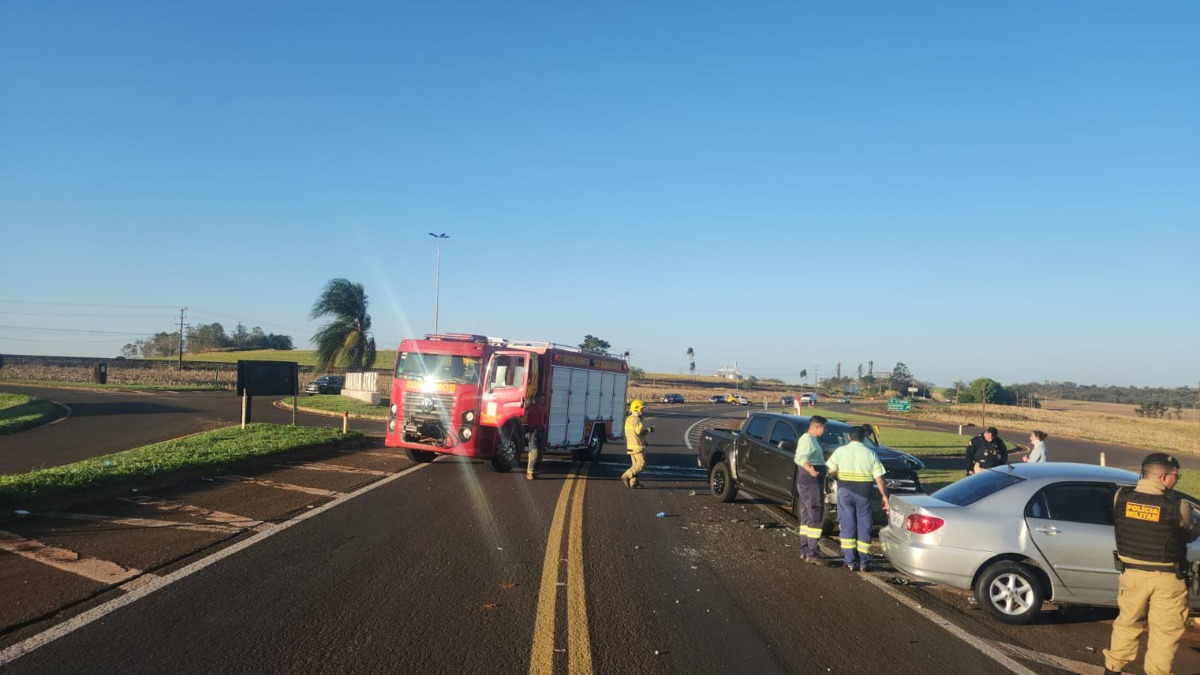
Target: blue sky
x=973, y=189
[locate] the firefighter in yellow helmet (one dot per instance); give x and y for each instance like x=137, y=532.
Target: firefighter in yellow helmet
x=635, y=443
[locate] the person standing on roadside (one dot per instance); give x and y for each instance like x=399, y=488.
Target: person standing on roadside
x=1153, y=527
x=810, y=489
x=1037, y=448
x=856, y=467
x=535, y=433
x=986, y=451
x=635, y=443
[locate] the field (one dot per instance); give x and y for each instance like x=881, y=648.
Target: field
x=1135, y=432
x=1117, y=409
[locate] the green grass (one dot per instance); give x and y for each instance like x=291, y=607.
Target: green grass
x=933, y=480
x=211, y=449
x=19, y=412
x=919, y=442
x=338, y=404
x=60, y=384
x=384, y=360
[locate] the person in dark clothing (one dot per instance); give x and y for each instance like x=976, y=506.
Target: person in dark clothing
x=986, y=451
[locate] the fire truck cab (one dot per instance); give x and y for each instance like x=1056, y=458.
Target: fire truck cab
x=468, y=395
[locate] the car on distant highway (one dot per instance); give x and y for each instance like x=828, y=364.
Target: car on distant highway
x=809, y=398
x=844, y=399
x=672, y=398
x=718, y=398
x=786, y=400
x=326, y=384
x=1016, y=536
x=738, y=399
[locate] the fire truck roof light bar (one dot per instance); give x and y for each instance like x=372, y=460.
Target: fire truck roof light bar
x=501, y=342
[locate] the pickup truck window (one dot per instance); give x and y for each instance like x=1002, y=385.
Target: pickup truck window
x=757, y=427
x=782, y=431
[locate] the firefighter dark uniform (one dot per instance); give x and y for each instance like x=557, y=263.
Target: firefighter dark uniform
x=1153, y=527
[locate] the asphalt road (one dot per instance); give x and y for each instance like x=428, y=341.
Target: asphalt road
x=454, y=568
x=106, y=421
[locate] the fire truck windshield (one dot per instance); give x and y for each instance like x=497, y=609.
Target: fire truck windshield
x=437, y=368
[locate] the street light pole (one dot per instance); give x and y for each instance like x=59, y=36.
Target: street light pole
x=437, y=286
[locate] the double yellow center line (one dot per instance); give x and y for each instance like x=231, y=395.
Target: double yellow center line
x=579, y=643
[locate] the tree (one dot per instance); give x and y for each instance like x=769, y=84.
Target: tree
x=804, y=375
x=985, y=386
x=207, y=337
x=691, y=354
x=901, y=378
x=636, y=374
x=345, y=338
x=860, y=371
x=591, y=343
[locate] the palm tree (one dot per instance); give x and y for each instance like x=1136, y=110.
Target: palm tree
x=692, y=360
x=804, y=375
x=345, y=338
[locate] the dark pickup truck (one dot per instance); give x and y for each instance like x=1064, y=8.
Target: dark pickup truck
x=760, y=458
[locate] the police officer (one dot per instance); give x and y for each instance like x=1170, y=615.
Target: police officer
x=810, y=489
x=986, y=451
x=635, y=443
x=1153, y=528
x=856, y=466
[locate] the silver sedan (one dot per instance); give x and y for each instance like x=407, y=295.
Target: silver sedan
x=1016, y=536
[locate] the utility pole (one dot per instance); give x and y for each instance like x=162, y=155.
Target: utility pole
x=181, y=326
x=437, y=284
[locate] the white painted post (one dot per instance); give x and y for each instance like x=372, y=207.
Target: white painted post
x=345, y=421
x=960, y=430
x=1102, y=460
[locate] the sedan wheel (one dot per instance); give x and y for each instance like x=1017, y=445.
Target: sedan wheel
x=1010, y=592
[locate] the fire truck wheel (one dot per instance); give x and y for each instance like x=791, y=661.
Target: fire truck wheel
x=593, y=449
x=420, y=456
x=508, y=451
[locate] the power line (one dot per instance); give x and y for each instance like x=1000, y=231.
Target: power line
x=77, y=314
x=82, y=304
x=71, y=330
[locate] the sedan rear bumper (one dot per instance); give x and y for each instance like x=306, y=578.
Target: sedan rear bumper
x=931, y=562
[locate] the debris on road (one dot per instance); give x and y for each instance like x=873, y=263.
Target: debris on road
x=900, y=581
x=21, y=512
x=508, y=586
x=692, y=493
x=661, y=514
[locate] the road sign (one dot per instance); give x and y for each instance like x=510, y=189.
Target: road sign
x=898, y=405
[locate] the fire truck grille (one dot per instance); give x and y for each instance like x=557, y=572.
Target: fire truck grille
x=427, y=406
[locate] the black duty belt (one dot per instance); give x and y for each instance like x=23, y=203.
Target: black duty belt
x=1149, y=568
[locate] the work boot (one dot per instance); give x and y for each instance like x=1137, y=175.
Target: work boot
x=529, y=475
x=625, y=480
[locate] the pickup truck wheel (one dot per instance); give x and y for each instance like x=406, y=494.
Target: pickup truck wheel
x=420, y=456
x=508, y=451
x=1010, y=592
x=721, y=482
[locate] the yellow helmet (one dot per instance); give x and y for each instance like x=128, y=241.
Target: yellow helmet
x=636, y=406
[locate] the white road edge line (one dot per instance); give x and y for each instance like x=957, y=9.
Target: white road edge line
x=69, y=626
x=933, y=617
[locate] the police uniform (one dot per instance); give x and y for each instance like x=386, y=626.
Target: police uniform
x=810, y=493
x=857, y=467
x=635, y=444
x=1153, y=527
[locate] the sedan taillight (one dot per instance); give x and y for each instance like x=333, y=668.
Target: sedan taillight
x=919, y=524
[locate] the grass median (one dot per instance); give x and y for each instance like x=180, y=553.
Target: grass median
x=332, y=403
x=65, y=384
x=19, y=412
x=209, y=450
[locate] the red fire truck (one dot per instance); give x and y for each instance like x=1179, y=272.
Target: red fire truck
x=460, y=394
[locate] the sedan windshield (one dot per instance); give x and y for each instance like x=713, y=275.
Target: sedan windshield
x=437, y=368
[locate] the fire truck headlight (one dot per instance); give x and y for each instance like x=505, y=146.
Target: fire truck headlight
x=394, y=410
x=469, y=416
x=465, y=433
x=392, y=426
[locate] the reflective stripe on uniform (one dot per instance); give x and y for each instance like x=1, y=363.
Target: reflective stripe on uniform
x=849, y=543
x=864, y=547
